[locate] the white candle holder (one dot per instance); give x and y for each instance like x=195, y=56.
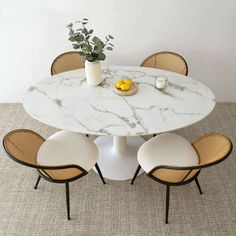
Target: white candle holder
x=161, y=83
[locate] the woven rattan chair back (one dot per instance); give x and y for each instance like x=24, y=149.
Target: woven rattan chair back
x=22, y=146
x=173, y=175
x=167, y=61
x=66, y=61
x=211, y=149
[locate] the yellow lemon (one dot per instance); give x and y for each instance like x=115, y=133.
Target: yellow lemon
x=125, y=87
x=119, y=83
x=127, y=81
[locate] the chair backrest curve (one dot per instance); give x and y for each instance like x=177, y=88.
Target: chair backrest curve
x=170, y=61
x=211, y=148
x=22, y=146
x=66, y=61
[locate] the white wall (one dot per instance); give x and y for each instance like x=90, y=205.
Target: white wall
x=32, y=33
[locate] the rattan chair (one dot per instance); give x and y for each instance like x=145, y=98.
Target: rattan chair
x=167, y=61
x=66, y=61
x=30, y=149
x=161, y=159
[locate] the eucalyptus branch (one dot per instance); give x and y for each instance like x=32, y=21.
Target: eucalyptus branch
x=90, y=47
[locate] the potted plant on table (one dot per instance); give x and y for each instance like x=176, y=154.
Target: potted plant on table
x=91, y=49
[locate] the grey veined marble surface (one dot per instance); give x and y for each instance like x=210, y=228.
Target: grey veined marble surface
x=67, y=102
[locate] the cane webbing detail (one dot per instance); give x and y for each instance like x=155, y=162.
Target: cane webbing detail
x=61, y=174
x=23, y=145
x=212, y=147
x=174, y=176
x=167, y=61
x=67, y=61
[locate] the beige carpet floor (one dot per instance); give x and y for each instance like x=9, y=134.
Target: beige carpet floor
x=117, y=208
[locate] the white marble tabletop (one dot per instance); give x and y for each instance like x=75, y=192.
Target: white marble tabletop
x=67, y=102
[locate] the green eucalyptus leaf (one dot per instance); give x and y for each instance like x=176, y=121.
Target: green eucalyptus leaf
x=72, y=38
x=95, y=39
x=100, y=43
x=101, y=56
x=89, y=48
x=71, y=32
x=75, y=46
x=98, y=50
x=111, y=37
x=70, y=25
x=90, y=58
x=83, y=46
x=95, y=56
x=84, y=31
x=79, y=38
x=109, y=48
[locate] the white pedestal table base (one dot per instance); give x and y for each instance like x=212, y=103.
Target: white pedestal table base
x=118, y=156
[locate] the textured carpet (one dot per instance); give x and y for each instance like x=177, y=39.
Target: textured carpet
x=118, y=208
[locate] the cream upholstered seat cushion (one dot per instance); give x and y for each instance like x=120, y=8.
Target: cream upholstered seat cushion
x=66, y=148
x=167, y=149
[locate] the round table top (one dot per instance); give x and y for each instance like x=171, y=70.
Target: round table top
x=67, y=102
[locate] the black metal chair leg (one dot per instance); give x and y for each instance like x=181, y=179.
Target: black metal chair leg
x=68, y=200
x=136, y=173
x=100, y=173
x=198, y=185
x=36, y=185
x=167, y=202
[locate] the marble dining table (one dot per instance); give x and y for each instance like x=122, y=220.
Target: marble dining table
x=67, y=102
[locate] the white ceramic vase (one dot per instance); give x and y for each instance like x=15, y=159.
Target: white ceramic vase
x=93, y=72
